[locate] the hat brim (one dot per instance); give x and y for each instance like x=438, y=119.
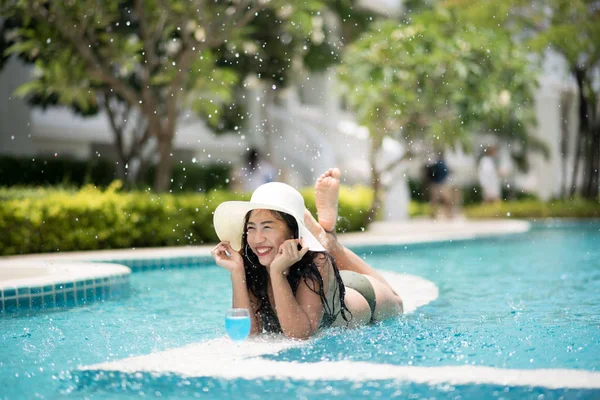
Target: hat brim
x=229, y=223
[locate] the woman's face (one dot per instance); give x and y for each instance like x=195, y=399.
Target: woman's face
x=266, y=232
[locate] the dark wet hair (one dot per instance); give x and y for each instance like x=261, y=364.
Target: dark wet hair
x=257, y=277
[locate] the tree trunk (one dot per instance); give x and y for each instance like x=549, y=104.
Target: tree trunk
x=376, y=184
x=596, y=180
x=269, y=130
x=586, y=165
x=117, y=125
x=576, y=162
x=139, y=175
x=593, y=164
x=564, y=141
x=583, y=126
x=164, y=169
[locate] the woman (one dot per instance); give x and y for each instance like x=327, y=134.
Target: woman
x=282, y=273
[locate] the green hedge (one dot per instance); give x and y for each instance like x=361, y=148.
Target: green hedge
x=55, y=171
x=577, y=208
x=194, y=177
x=418, y=209
x=472, y=194
x=524, y=209
x=52, y=171
x=51, y=220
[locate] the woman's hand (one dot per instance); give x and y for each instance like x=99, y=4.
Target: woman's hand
x=231, y=263
x=287, y=255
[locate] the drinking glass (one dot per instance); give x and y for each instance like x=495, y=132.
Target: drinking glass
x=237, y=324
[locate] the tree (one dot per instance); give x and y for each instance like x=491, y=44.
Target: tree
x=572, y=29
x=154, y=56
x=436, y=80
x=282, y=45
x=273, y=51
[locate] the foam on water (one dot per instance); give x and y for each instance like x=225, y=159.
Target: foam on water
x=220, y=358
x=416, y=293
x=517, y=317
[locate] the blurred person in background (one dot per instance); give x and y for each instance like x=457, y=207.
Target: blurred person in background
x=489, y=175
x=441, y=193
x=255, y=172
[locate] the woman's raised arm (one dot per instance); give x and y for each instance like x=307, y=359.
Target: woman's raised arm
x=299, y=316
x=232, y=261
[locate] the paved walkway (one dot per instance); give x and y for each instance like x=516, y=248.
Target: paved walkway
x=402, y=232
x=427, y=230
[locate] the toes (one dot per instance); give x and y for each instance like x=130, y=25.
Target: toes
x=327, y=176
x=335, y=173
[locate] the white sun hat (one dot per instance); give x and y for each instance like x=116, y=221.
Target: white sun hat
x=229, y=216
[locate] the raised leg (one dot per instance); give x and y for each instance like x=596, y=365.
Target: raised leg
x=346, y=259
x=326, y=198
x=327, y=190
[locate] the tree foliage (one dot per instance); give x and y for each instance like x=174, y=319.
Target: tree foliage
x=158, y=57
x=570, y=29
x=276, y=41
x=436, y=80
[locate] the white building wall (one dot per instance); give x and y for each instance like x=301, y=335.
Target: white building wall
x=547, y=171
x=15, y=127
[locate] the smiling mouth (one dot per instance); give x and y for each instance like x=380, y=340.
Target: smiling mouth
x=262, y=251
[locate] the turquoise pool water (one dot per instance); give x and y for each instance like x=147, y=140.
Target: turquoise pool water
x=528, y=301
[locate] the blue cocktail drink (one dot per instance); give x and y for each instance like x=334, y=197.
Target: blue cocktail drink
x=237, y=324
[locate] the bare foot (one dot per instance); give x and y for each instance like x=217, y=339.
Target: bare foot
x=344, y=258
x=327, y=190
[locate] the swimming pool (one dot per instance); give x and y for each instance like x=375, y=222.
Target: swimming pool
x=529, y=302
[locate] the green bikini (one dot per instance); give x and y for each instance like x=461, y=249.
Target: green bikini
x=362, y=285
